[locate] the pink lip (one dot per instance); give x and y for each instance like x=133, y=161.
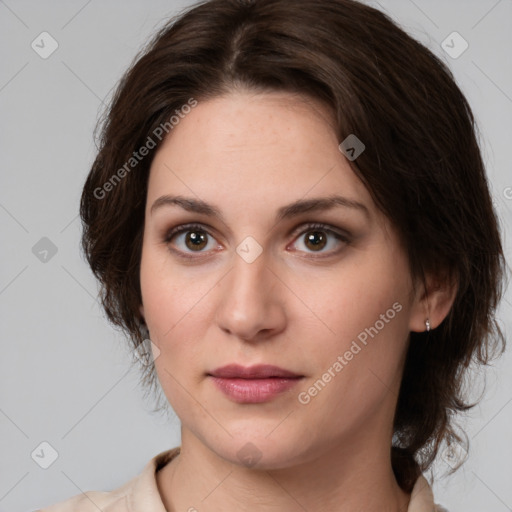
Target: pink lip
x=254, y=384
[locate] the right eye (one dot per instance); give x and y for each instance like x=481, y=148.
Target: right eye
x=190, y=238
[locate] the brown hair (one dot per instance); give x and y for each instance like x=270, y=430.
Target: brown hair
x=422, y=166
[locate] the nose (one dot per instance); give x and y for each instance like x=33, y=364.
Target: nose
x=251, y=305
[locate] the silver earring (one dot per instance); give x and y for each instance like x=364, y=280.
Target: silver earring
x=427, y=323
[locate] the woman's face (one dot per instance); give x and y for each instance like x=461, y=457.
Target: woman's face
x=251, y=282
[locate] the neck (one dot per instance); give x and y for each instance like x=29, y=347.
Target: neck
x=340, y=479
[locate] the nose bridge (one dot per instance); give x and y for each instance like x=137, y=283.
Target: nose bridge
x=248, y=304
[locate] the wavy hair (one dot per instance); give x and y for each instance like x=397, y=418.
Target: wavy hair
x=422, y=166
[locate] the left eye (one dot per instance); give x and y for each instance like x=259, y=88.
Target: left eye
x=317, y=236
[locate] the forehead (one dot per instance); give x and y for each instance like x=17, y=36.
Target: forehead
x=248, y=120
x=244, y=148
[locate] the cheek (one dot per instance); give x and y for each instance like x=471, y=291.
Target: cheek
x=365, y=311
x=177, y=312
x=175, y=317
x=355, y=297
x=167, y=294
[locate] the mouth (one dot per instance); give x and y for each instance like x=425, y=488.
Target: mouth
x=254, y=384
x=261, y=371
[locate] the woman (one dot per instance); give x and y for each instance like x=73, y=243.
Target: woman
x=287, y=209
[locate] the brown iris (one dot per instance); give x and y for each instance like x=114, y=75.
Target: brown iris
x=197, y=239
x=317, y=239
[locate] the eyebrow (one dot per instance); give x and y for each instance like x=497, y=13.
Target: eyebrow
x=285, y=212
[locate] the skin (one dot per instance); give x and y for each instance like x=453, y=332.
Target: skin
x=249, y=154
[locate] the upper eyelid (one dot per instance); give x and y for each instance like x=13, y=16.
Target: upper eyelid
x=183, y=228
x=319, y=225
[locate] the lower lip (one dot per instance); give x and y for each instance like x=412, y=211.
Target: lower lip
x=253, y=391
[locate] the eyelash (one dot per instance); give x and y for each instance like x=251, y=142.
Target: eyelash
x=305, y=229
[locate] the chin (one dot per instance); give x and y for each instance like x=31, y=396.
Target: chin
x=254, y=450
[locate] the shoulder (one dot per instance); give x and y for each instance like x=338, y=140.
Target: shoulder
x=89, y=501
x=422, y=498
x=141, y=489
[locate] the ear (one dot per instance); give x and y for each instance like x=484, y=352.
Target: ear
x=433, y=300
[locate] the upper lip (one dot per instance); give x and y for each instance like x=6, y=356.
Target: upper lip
x=260, y=371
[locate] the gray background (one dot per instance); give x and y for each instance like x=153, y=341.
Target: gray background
x=66, y=375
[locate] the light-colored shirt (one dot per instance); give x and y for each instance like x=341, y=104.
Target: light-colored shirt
x=140, y=494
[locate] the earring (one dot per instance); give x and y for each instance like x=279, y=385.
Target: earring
x=427, y=323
